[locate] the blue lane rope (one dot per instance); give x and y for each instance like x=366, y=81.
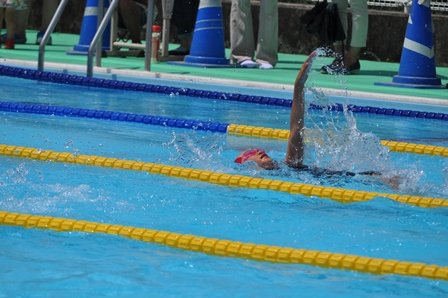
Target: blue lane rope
x=62, y=78
x=226, y=128
x=44, y=109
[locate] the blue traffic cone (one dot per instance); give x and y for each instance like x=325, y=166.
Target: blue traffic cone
x=89, y=27
x=207, y=47
x=417, y=64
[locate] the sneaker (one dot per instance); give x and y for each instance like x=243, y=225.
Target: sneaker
x=17, y=39
x=265, y=65
x=40, y=36
x=337, y=62
x=9, y=43
x=342, y=69
x=248, y=64
x=180, y=51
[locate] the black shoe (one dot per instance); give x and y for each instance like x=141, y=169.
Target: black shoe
x=342, y=69
x=40, y=36
x=337, y=62
x=17, y=39
x=180, y=51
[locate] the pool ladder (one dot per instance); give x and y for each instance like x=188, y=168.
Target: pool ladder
x=94, y=47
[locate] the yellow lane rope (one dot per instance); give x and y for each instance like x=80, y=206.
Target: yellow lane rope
x=281, y=134
x=227, y=248
x=338, y=194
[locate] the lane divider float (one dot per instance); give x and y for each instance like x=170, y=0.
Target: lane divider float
x=228, y=248
x=338, y=194
x=231, y=129
x=68, y=79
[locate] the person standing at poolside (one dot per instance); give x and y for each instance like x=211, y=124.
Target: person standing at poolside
x=21, y=22
x=184, y=19
x=347, y=62
x=8, y=9
x=242, y=45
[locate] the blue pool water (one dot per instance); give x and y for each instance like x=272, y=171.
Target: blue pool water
x=44, y=263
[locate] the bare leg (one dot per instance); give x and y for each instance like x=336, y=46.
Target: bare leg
x=22, y=21
x=48, y=9
x=2, y=12
x=339, y=48
x=352, y=56
x=10, y=27
x=360, y=24
x=10, y=22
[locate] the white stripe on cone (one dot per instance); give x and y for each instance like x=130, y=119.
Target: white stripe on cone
x=418, y=48
x=209, y=3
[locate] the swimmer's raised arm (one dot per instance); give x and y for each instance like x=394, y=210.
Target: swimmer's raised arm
x=294, y=152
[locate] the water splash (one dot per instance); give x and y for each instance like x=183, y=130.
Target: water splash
x=17, y=175
x=68, y=144
x=338, y=145
x=196, y=150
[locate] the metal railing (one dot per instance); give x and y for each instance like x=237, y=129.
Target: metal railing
x=54, y=21
x=96, y=47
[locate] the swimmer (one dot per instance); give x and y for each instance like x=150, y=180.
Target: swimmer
x=295, y=150
x=294, y=153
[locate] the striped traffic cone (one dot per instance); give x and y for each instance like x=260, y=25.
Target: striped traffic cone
x=89, y=27
x=417, y=64
x=207, y=47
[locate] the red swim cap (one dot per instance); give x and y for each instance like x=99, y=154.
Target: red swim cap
x=243, y=157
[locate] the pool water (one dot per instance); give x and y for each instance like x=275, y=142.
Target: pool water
x=45, y=263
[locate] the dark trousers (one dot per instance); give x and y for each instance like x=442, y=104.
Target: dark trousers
x=184, y=16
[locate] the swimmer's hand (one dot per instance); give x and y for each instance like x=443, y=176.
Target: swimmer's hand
x=393, y=181
x=302, y=76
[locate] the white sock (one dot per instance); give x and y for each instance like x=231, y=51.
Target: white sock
x=265, y=65
x=248, y=64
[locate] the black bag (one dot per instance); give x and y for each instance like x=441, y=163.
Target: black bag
x=323, y=21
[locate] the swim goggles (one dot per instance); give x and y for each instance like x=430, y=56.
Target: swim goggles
x=243, y=157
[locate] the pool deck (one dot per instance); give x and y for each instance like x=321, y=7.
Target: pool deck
x=281, y=77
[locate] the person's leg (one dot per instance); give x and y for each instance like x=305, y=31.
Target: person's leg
x=10, y=27
x=342, y=6
x=267, y=44
x=21, y=22
x=2, y=13
x=360, y=23
x=184, y=18
x=48, y=10
x=241, y=32
x=130, y=15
